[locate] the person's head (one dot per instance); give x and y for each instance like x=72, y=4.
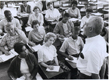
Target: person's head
x=88, y=12
x=24, y=3
x=21, y=49
x=94, y=26
x=50, y=5
x=75, y=30
x=8, y=15
x=35, y=24
x=49, y=38
x=10, y=29
x=2, y=4
x=65, y=18
x=36, y=10
x=74, y=4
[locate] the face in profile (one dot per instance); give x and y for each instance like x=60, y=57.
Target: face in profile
x=24, y=51
x=51, y=6
x=65, y=19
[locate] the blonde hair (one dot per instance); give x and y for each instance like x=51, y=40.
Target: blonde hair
x=48, y=36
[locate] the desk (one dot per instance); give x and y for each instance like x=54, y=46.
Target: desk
x=49, y=75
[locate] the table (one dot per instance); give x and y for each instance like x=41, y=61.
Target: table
x=49, y=75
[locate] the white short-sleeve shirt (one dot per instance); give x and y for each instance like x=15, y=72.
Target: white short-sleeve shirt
x=94, y=52
x=46, y=53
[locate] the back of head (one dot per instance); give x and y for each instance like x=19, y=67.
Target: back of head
x=48, y=4
x=97, y=24
x=74, y=2
x=6, y=12
x=18, y=47
x=89, y=10
x=66, y=15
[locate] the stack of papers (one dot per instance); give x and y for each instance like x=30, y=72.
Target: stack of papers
x=55, y=69
x=4, y=57
x=36, y=48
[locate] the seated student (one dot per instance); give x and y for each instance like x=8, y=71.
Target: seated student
x=86, y=17
x=74, y=12
x=9, y=20
x=63, y=28
x=47, y=55
x=52, y=13
x=73, y=45
x=24, y=11
x=24, y=66
x=13, y=35
x=36, y=16
x=37, y=34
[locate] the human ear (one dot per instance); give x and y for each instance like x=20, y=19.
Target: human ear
x=90, y=29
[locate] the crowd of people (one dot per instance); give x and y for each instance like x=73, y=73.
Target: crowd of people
x=65, y=38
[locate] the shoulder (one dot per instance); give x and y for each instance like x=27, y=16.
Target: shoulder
x=56, y=9
x=14, y=19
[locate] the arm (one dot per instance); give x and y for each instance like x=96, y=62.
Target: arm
x=11, y=71
x=42, y=20
x=34, y=72
x=79, y=14
x=18, y=24
x=29, y=20
x=56, y=61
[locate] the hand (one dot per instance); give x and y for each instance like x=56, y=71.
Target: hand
x=7, y=53
x=51, y=67
x=70, y=57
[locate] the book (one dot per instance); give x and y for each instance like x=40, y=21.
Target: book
x=55, y=69
x=4, y=57
x=36, y=48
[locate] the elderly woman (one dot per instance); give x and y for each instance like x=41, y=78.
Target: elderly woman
x=37, y=34
x=24, y=66
x=47, y=55
x=36, y=16
x=74, y=11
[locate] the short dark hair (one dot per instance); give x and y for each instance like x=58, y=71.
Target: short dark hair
x=18, y=47
x=66, y=15
x=36, y=8
x=34, y=23
x=89, y=10
x=74, y=2
x=6, y=12
x=48, y=4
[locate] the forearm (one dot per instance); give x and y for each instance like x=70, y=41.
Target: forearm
x=2, y=49
x=95, y=76
x=44, y=65
x=64, y=54
x=56, y=61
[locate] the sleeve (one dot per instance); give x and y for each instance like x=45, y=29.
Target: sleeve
x=10, y=70
x=64, y=46
x=79, y=14
x=3, y=42
x=29, y=36
x=47, y=14
x=40, y=55
x=58, y=13
x=18, y=24
x=35, y=69
x=93, y=62
x=56, y=29
x=42, y=20
x=55, y=51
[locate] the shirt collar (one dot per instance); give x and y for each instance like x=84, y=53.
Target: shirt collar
x=92, y=39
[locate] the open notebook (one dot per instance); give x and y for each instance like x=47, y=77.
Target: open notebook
x=4, y=57
x=55, y=69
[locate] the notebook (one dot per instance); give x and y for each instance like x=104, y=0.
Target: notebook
x=4, y=57
x=55, y=69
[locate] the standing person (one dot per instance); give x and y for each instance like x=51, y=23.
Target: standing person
x=9, y=20
x=36, y=16
x=94, y=50
x=24, y=66
x=74, y=12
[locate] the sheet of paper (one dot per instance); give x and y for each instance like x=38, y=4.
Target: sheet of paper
x=28, y=29
x=55, y=69
x=37, y=47
x=74, y=60
x=13, y=52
